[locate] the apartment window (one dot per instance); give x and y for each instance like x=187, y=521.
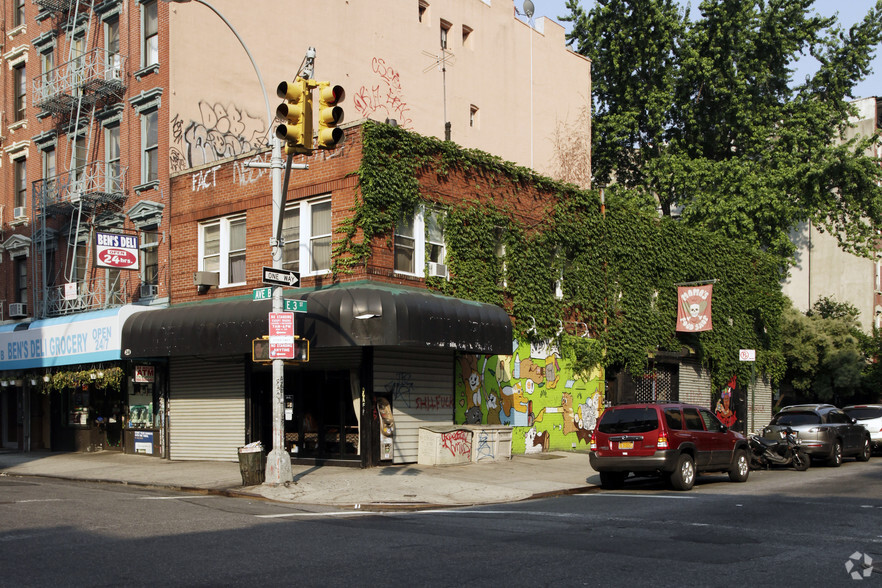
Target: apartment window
x=473, y=116
x=222, y=249
x=76, y=261
x=21, y=181
x=111, y=45
x=445, y=31
x=150, y=147
x=20, y=83
x=47, y=64
x=306, y=230
x=419, y=239
x=113, y=174
x=320, y=236
x=500, y=255
x=78, y=169
x=149, y=257
x=423, y=7
x=150, y=33
x=435, y=238
x=21, y=279
x=18, y=18
x=466, y=33
x=405, y=245
x=49, y=267
x=291, y=237
x=48, y=163
x=113, y=285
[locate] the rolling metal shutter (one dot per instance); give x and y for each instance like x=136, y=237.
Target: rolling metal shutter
x=421, y=386
x=695, y=383
x=206, y=408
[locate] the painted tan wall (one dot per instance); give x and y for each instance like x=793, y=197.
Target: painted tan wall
x=822, y=268
x=386, y=60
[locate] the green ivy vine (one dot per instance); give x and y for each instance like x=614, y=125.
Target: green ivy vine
x=617, y=269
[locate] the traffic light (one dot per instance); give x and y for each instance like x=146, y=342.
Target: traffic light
x=297, y=132
x=329, y=115
x=260, y=350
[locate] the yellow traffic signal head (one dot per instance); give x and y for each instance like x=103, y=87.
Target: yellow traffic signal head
x=330, y=115
x=297, y=111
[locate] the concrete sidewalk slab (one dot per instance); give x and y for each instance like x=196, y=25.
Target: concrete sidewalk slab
x=394, y=486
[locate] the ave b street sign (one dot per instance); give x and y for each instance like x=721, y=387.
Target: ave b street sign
x=280, y=277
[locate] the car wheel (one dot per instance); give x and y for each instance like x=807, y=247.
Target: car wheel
x=683, y=476
x=835, y=459
x=612, y=480
x=801, y=461
x=866, y=450
x=740, y=467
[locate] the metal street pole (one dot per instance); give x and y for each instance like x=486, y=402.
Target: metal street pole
x=278, y=463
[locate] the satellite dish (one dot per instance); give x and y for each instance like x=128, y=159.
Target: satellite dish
x=529, y=8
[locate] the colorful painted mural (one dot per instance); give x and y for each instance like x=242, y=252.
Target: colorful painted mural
x=534, y=391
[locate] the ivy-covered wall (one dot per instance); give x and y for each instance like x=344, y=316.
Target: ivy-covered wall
x=561, y=263
x=535, y=390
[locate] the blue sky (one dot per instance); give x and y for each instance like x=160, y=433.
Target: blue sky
x=850, y=11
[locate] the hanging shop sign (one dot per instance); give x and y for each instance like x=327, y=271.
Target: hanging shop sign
x=144, y=374
x=116, y=251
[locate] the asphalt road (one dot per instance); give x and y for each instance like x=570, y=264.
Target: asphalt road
x=781, y=528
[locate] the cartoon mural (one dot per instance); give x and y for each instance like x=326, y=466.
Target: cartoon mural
x=534, y=391
x=731, y=406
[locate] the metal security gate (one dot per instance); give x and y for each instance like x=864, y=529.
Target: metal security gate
x=654, y=386
x=420, y=387
x=206, y=408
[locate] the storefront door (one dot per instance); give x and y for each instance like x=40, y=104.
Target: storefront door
x=9, y=410
x=323, y=424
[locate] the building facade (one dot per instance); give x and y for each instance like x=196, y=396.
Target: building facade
x=823, y=269
x=105, y=101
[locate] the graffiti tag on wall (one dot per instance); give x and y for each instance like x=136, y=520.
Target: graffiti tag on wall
x=222, y=131
x=459, y=443
x=384, y=99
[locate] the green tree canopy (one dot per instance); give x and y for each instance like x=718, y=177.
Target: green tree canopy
x=704, y=117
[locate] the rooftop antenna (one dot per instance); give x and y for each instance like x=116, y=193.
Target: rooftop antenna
x=441, y=62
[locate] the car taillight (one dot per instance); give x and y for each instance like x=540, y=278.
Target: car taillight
x=662, y=442
x=592, y=445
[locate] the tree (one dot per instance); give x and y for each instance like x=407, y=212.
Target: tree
x=704, y=115
x=824, y=355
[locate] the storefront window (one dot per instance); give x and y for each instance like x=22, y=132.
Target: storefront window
x=78, y=414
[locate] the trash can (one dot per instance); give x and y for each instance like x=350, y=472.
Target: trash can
x=252, y=464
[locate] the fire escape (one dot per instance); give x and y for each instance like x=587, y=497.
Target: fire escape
x=83, y=198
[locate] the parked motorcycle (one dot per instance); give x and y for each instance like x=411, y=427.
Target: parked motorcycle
x=765, y=453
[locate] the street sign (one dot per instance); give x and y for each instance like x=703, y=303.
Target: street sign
x=262, y=294
x=281, y=335
x=280, y=277
x=747, y=354
x=294, y=305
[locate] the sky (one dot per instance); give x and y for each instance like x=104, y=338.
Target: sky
x=850, y=11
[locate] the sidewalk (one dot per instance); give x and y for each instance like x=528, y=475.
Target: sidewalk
x=397, y=486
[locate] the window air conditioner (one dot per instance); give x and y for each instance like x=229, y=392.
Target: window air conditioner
x=18, y=212
x=18, y=309
x=437, y=270
x=149, y=290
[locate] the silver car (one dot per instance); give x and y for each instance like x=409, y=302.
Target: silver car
x=823, y=431
x=870, y=416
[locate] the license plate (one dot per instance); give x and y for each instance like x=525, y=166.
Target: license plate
x=626, y=445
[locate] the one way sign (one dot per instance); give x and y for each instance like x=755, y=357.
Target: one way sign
x=280, y=277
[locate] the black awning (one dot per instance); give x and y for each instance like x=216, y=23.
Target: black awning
x=344, y=316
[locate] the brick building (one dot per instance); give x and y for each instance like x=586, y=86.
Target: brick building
x=104, y=101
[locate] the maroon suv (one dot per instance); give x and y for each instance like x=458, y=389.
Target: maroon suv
x=672, y=440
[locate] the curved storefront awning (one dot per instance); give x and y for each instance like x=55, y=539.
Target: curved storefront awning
x=345, y=316
x=87, y=337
